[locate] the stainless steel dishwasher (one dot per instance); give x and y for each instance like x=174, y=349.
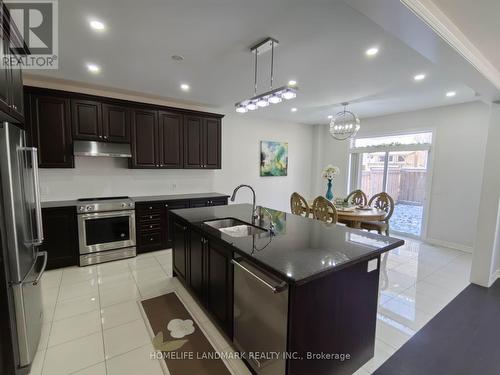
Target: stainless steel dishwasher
x=260, y=318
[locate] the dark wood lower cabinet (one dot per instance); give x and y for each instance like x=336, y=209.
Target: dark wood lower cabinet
x=219, y=284
x=196, y=262
x=153, y=224
x=205, y=267
x=60, y=230
x=180, y=246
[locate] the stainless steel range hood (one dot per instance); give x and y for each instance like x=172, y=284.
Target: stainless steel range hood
x=91, y=148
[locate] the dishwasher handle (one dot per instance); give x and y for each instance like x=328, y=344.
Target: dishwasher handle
x=276, y=289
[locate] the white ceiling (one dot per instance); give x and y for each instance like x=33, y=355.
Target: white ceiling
x=479, y=21
x=322, y=44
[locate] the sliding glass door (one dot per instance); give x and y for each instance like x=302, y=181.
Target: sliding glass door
x=401, y=171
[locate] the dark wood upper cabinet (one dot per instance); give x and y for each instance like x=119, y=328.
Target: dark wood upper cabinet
x=193, y=142
x=116, y=123
x=202, y=142
x=144, y=139
x=50, y=130
x=160, y=137
x=212, y=143
x=170, y=140
x=4, y=73
x=87, y=120
x=11, y=82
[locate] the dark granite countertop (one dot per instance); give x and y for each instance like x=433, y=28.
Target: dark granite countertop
x=302, y=249
x=171, y=197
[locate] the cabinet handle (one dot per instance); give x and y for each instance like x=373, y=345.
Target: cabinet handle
x=151, y=239
x=166, y=205
x=150, y=226
x=105, y=137
x=151, y=217
x=150, y=208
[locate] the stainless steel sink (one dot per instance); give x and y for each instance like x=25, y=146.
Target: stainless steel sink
x=235, y=227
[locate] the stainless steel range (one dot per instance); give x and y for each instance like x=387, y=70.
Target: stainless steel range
x=106, y=229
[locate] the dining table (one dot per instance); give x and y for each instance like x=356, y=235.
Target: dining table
x=353, y=216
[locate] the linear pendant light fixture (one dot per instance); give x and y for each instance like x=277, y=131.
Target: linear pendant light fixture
x=273, y=96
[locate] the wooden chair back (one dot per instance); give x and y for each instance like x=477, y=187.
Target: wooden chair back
x=383, y=201
x=299, y=206
x=324, y=210
x=358, y=198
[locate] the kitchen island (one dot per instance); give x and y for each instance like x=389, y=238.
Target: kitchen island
x=309, y=289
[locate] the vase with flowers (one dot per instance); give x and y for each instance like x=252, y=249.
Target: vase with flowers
x=329, y=173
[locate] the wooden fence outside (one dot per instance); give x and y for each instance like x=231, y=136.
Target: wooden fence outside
x=403, y=185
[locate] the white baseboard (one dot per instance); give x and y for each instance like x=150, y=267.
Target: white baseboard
x=494, y=277
x=451, y=245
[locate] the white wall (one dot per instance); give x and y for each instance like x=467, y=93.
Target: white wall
x=460, y=133
x=486, y=261
x=241, y=154
x=241, y=136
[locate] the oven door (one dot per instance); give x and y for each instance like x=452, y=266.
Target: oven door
x=102, y=231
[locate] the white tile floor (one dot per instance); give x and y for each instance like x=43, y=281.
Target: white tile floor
x=95, y=325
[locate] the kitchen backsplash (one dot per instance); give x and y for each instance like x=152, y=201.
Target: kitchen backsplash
x=93, y=177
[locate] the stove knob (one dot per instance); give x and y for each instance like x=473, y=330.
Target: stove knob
x=81, y=208
x=124, y=205
x=90, y=208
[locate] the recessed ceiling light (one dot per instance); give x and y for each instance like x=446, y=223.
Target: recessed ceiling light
x=451, y=94
x=184, y=87
x=372, y=51
x=294, y=109
x=419, y=77
x=93, y=68
x=330, y=117
x=97, y=25
x=292, y=83
x=177, y=57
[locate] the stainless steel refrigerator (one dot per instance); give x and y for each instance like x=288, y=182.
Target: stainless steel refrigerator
x=21, y=235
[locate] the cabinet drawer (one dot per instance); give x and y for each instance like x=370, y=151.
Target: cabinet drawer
x=218, y=202
x=150, y=239
x=152, y=226
x=144, y=208
x=150, y=218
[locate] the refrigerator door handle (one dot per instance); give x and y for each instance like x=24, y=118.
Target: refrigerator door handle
x=44, y=266
x=38, y=203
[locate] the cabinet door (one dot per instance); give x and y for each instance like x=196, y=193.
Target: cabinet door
x=196, y=251
x=219, y=281
x=87, y=120
x=4, y=73
x=144, y=139
x=175, y=205
x=61, y=236
x=179, y=252
x=16, y=91
x=50, y=131
x=193, y=142
x=170, y=140
x=212, y=143
x=116, y=123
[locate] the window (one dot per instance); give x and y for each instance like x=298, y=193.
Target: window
x=397, y=165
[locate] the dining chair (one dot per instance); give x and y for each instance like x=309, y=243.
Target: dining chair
x=381, y=201
x=324, y=210
x=357, y=197
x=299, y=206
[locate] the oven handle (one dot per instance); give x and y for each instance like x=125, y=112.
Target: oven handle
x=96, y=215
